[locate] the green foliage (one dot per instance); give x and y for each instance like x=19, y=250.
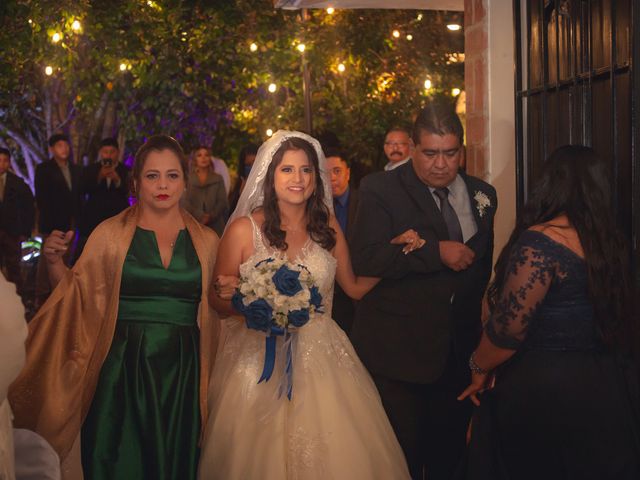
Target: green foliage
x=189, y=71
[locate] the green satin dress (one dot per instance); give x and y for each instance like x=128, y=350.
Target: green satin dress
x=144, y=421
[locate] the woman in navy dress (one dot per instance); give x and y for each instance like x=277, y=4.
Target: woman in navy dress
x=558, y=338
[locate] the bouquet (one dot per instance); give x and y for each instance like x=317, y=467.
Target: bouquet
x=277, y=297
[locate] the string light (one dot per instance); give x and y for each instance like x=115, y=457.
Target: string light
x=341, y=67
x=455, y=92
x=48, y=70
x=123, y=67
x=427, y=84
x=330, y=10
x=409, y=37
x=253, y=47
x=269, y=132
x=272, y=87
x=56, y=37
x=454, y=27
x=419, y=17
x=301, y=48
x=30, y=22
x=76, y=26
x=396, y=34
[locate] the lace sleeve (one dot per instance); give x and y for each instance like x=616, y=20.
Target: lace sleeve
x=529, y=274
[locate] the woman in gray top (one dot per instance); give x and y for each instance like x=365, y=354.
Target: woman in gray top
x=206, y=198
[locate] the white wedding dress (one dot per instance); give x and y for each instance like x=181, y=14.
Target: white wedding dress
x=333, y=428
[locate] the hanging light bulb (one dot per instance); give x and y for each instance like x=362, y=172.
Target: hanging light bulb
x=269, y=132
x=48, y=70
x=396, y=34
x=341, y=67
x=427, y=84
x=272, y=87
x=454, y=27
x=330, y=10
x=455, y=92
x=301, y=47
x=56, y=37
x=123, y=67
x=76, y=26
x=253, y=47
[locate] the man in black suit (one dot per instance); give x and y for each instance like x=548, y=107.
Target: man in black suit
x=17, y=213
x=105, y=185
x=57, y=183
x=417, y=328
x=345, y=205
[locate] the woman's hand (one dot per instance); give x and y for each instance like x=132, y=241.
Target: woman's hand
x=479, y=383
x=410, y=239
x=225, y=286
x=56, y=245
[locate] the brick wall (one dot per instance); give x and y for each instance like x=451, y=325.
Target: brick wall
x=475, y=77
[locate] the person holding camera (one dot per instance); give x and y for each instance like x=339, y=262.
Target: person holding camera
x=105, y=187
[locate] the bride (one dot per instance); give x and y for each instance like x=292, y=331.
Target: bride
x=333, y=426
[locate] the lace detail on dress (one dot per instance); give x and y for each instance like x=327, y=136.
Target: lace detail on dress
x=546, y=283
x=306, y=455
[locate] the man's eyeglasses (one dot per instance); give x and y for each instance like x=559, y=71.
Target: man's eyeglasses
x=433, y=154
x=396, y=144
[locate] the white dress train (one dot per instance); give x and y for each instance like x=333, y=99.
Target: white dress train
x=333, y=428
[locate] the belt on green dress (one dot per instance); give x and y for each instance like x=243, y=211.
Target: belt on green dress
x=169, y=310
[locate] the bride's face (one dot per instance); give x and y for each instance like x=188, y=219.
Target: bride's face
x=294, y=179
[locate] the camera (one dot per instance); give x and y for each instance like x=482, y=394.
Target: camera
x=106, y=162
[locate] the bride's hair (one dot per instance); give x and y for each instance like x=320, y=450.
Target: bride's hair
x=317, y=212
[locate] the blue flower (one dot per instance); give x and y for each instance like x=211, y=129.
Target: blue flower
x=286, y=281
x=237, y=303
x=316, y=298
x=298, y=318
x=258, y=315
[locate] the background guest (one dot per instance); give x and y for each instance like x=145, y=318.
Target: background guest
x=220, y=167
x=397, y=147
x=105, y=185
x=57, y=183
x=206, y=198
x=245, y=162
x=16, y=219
x=558, y=334
x=345, y=204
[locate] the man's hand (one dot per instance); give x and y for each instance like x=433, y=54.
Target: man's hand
x=455, y=255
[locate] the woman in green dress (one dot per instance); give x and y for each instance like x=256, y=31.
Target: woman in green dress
x=143, y=420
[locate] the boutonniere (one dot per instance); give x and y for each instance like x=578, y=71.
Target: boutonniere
x=482, y=202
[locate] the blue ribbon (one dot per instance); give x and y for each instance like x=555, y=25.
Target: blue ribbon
x=270, y=358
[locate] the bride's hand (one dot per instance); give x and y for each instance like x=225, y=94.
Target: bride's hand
x=225, y=286
x=410, y=239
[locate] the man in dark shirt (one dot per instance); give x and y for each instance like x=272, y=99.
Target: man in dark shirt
x=345, y=203
x=16, y=219
x=105, y=185
x=57, y=184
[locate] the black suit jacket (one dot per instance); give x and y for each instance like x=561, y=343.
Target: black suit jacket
x=406, y=326
x=17, y=210
x=343, y=309
x=58, y=206
x=102, y=200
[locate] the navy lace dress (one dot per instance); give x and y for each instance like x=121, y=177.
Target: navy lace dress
x=562, y=406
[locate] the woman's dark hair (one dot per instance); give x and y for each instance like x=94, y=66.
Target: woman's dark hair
x=317, y=212
x=575, y=182
x=157, y=143
x=248, y=149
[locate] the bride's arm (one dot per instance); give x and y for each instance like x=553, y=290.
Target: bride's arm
x=235, y=246
x=355, y=287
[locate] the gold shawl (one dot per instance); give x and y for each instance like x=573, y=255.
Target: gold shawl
x=70, y=336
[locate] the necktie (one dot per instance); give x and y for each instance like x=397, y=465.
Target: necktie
x=449, y=215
